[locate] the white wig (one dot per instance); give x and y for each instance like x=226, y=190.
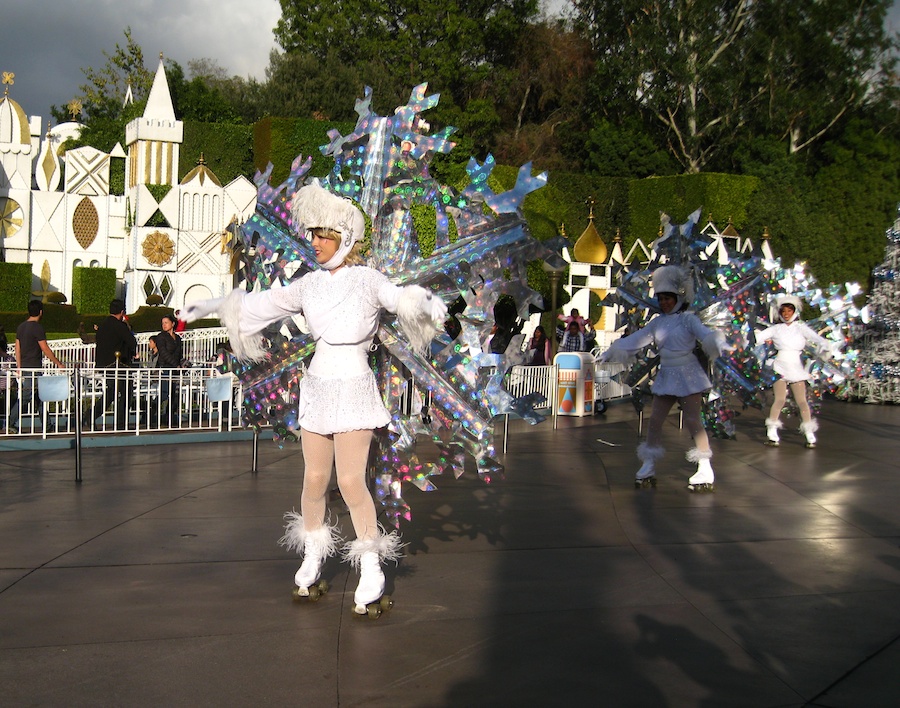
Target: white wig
x=314, y=207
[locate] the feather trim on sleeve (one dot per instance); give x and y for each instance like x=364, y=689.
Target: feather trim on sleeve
x=713, y=344
x=245, y=347
x=416, y=309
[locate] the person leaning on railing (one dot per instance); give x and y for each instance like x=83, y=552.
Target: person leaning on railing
x=31, y=348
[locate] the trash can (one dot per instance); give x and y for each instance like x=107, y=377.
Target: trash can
x=575, y=383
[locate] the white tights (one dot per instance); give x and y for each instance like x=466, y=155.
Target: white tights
x=349, y=452
x=798, y=391
x=690, y=405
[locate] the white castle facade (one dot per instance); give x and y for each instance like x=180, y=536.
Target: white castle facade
x=57, y=213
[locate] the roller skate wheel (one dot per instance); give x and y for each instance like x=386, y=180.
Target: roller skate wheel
x=810, y=446
x=314, y=593
x=701, y=488
x=772, y=443
x=323, y=587
x=386, y=603
x=373, y=611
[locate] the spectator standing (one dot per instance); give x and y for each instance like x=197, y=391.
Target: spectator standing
x=116, y=348
x=31, y=348
x=573, y=339
x=171, y=356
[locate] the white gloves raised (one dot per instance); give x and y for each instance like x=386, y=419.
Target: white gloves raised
x=200, y=309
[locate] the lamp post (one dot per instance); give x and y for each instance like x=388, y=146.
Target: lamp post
x=554, y=273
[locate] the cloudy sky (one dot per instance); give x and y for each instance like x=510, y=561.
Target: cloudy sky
x=46, y=43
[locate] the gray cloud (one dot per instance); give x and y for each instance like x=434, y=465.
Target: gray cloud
x=46, y=43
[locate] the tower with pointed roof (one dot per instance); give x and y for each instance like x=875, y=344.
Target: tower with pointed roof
x=162, y=237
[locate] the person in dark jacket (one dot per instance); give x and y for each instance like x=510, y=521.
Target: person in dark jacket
x=116, y=349
x=171, y=356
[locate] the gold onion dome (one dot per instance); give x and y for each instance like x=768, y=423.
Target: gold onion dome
x=13, y=123
x=202, y=172
x=590, y=248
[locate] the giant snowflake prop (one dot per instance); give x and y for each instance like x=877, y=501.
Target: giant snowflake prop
x=383, y=165
x=734, y=293
x=877, y=378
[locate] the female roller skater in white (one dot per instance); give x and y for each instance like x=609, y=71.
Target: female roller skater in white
x=790, y=336
x=339, y=401
x=674, y=334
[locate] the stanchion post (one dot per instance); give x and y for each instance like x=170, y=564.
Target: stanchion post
x=78, y=461
x=254, y=464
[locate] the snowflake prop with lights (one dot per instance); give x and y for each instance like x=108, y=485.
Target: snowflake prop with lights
x=877, y=378
x=383, y=164
x=733, y=292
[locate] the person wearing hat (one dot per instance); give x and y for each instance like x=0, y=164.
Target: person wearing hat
x=674, y=334
x=339, y=401
x=790, y=336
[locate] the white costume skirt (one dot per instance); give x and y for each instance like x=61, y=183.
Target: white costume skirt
x=789, y=367
x=330, y=406
x=680, y=381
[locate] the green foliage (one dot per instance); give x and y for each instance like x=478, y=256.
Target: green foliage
x=159, y=191
x=57, y=298
x=197, y=99
x=103, y=96
x=722, y=196
x=227, y=149
x=424, y=217
x=117, y=176
x=59, y=318
x=93, y=289
x=15, y=286
x=625, y=151
x=155, y=300
x=281, y=140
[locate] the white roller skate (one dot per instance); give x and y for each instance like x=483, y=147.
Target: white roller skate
x=703, y=479
x=367, y=556
x=646, y=475
x=809, y=431
x=772, y=428
x=316, y=545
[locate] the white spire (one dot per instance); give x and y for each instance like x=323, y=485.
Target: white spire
x=159, y=104
x=129, y=97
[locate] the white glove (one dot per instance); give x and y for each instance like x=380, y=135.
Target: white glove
x=200, y=309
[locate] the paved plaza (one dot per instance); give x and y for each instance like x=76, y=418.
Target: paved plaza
x=158, y=581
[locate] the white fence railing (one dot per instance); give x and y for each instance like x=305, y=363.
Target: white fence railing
x=49, y=403
x=200, y=346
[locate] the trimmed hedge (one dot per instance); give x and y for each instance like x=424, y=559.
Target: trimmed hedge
x=93, y=289
x=281, y=140
x=15, y=286
x=226, y=148
x=724, y=196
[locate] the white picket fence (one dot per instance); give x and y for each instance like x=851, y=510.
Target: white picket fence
x=48, y=403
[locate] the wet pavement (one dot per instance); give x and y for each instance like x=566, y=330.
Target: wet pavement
x=158, y=581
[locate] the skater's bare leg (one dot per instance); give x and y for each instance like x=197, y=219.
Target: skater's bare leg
x=658, y=413
x=318, y=457
x=779, y=388
x=351, y=451
x=691, y=406
x=798, y=391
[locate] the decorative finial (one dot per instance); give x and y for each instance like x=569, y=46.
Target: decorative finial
x=590, y=201
x=9, y=78
x=562, y=230
x=618, y=237
x=202, y=160
x=766, y=235
x=74, y=107
x=160, y=56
